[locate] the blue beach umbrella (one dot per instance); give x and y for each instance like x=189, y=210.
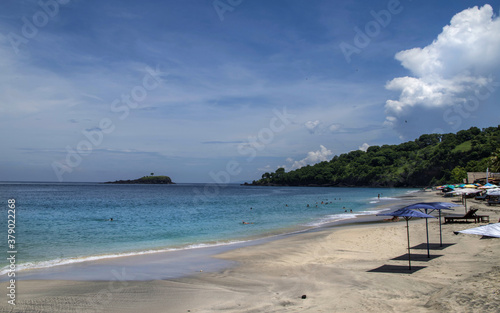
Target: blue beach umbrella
x=429, y=207
x=407, y=214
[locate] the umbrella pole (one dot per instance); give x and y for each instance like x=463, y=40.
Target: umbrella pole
x=408, y=235
x=440, y=231
x=427, y=231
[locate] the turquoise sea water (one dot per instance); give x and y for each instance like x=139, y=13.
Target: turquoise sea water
x=66, y=223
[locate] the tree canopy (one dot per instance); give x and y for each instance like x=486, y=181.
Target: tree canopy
x=431, y=159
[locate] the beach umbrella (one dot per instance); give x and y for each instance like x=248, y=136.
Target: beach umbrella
x=427, y=208
x=488, y=186
x=493, y=192
x=407, y=214
x=490, y=230
x=464, y=191
x=470, y=186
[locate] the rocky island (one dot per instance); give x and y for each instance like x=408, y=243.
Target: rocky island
x=145, y=180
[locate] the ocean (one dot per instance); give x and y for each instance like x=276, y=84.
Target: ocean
x=64, y=223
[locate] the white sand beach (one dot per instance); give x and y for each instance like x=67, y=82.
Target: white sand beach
x=330, y=267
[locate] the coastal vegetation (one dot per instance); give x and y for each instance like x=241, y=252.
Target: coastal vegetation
x=432, y=159
x=145, y=180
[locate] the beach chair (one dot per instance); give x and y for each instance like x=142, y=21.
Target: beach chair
x=492, y=201
x=471, y=215
x=481, y=197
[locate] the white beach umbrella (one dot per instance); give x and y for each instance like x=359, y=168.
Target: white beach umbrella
x=493, y=192
x=488, y=186
x=464, y=191
x=490, y=230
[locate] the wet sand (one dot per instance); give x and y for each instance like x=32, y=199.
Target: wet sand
x=331, y=266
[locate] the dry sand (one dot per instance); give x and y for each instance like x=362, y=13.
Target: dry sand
x=329, y=266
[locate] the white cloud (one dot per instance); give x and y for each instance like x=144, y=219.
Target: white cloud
x=318, y=127
x=313, y=157
x=266, y=168
x=334, y=127
x=460, y=64
x=312, y=126
x=364, y=147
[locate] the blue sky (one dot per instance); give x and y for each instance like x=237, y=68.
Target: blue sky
x=223, y=91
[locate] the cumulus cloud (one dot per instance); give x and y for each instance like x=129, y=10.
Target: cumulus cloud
x=451, y=76
x=312, y=126
x=334, y=127
x=313, y=157
x=364, y=147
x=318, y=127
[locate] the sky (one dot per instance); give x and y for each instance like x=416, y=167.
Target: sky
x=221, y=91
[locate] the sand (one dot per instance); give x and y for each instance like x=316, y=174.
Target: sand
x=330, y=267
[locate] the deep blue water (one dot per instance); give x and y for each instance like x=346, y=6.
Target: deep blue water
x=64, y=223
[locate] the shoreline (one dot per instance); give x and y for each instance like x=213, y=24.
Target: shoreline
x=56, y=269
x=180, y=261
x=329, y=264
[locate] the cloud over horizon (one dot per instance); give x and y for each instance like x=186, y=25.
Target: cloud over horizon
x=313, y=157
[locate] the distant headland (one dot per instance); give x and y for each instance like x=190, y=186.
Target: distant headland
x=157, y=180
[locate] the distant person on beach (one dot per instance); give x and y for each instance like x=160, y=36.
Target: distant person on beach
x=393, y=219
x=379, y=196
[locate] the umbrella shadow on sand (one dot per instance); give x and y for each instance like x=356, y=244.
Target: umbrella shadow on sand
x=399, y=269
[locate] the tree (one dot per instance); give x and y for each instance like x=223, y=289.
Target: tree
x=495, y=161
x=458, y=174
x=430, y=159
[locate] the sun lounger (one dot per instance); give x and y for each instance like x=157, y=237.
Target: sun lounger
x=482, y=197
x=492, y=201
x=471, y=215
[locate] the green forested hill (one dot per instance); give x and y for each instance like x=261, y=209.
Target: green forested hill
x=429, y=160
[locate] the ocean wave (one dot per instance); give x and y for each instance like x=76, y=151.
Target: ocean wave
x=66, y=261
x=331, y=218
x=342, y=216
x=413, y=191
x=377, y=200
